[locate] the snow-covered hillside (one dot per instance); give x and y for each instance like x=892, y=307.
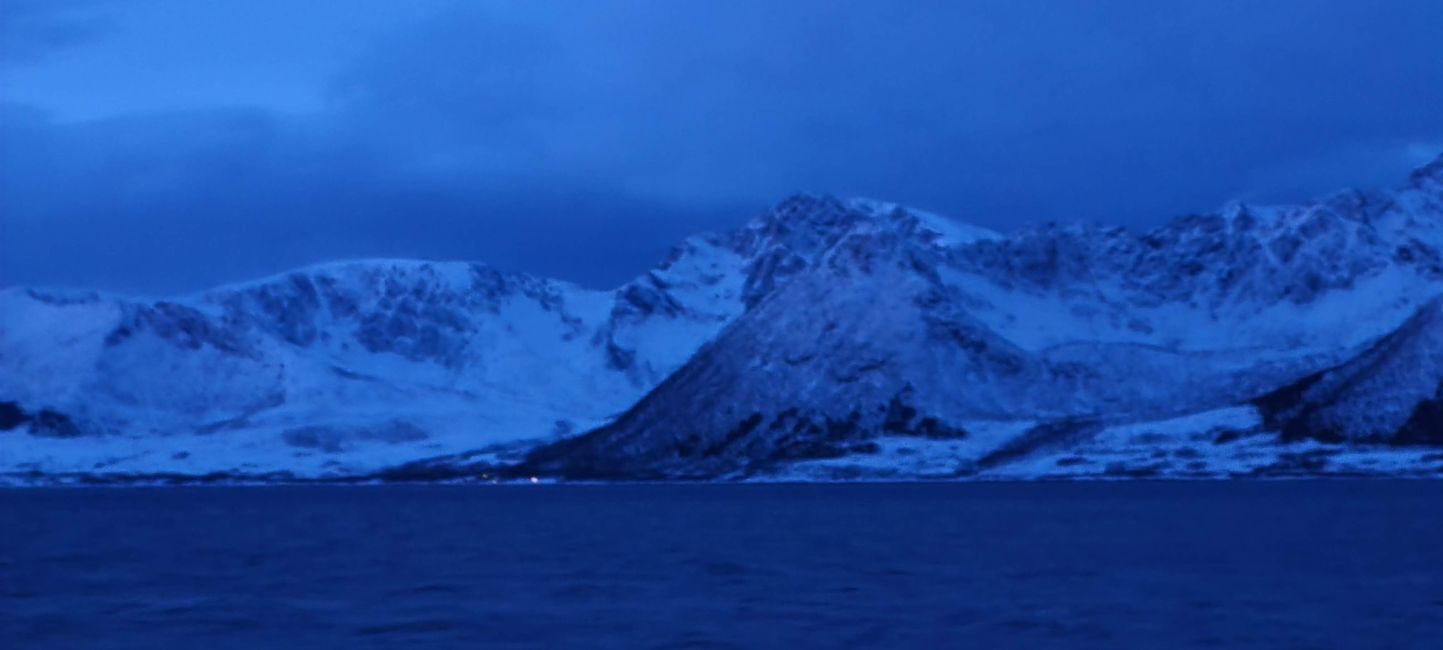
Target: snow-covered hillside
x=349, y=368
x=332, y=369
x=1392, y=393
x=892, y=335
x=826, y=334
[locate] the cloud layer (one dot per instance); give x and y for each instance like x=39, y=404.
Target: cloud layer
x=580, y=139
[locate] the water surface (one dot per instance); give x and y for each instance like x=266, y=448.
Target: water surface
x=1307, y=564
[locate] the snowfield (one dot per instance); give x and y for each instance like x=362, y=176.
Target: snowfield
x=825, y=339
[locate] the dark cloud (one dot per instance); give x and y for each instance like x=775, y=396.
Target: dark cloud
x=579, y=139
x=31, y=30
x=998, y=112
x=181, y=201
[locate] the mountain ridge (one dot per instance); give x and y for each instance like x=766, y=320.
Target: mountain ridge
x=344, y=369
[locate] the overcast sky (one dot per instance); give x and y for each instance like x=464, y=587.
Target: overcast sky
x=161, y=146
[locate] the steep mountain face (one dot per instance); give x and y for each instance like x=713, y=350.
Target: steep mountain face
x=347, y=368
x=1392, y=393
x=891, y=334
x=847, y=346
x=824, y=329
x=709, y=280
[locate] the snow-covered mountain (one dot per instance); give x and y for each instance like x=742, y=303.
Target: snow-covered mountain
x=348, y=368
x=1392, y=393
x=333, y=368
x=892, y=335
x=826, y=337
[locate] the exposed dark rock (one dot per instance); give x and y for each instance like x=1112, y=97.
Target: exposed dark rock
x=1226, y=436
x=332, y=440
x=1424, y=426
x=647, y=300
x=1297, y=464
x=53, y=424
x=933, y=428
x=12, y=416
x=1042, y=436
x=1364, y=399
x=1133, y=471
x=1275, y=405
x=619, y=358
x=899, y=416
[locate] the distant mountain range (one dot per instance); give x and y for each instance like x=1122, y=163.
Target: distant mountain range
x=826, y=339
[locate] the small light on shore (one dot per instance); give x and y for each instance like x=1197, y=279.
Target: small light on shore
x=535, y=480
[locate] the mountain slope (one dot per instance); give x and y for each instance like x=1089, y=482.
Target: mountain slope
x=332, y=369
x=805, y=372
x=348, y=368
x=887, y=337
x=1392, y=393
x=823, y=329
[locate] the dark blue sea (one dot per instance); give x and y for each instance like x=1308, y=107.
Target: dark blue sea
x=1306, y=564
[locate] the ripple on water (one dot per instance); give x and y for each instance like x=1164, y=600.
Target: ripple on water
x=1056, y=565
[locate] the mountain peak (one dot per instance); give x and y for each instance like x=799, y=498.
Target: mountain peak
x=945, y=230
x=801, y=222
x=1432, y=170
x=813, y=210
